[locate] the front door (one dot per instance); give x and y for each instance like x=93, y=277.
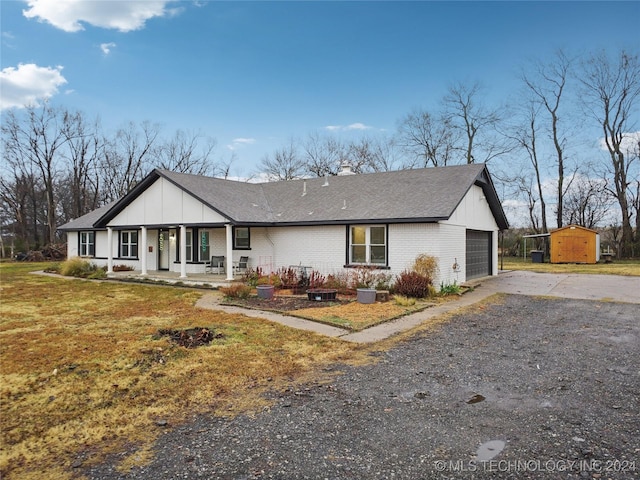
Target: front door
x=163, y=250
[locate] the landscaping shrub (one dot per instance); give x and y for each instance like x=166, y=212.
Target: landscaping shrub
x=77, y=267
x=370, y=277
x=449, y=288
x=426, y=265
x=339, y=282
x=122, y=268
x=288, y=277
x=316, y=280
x=272, y=279
x=412, y=284
x=251, y=276
x=236, y=290
x=403, y=301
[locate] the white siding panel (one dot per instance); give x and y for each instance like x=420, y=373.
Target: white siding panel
x=452, y=239
x=72, y=244
x=171, y=201
x=102, y=248
x=474, y=212
x=164, y=203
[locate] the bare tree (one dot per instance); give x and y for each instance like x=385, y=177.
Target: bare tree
x=427, y=139
x=285, y=163
x=477, y=125
x=611, y=88
x=33, y=141
x=364, y=154
x=323, y=155
x=524, y=186
x=78, y=189
x=526, y=137
x=185, y=153
x=548, y=83
x=374, y=154
x=126, y=159
x=586, y=202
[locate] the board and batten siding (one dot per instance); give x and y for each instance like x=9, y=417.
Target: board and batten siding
x=165, y=204
x=474, y=213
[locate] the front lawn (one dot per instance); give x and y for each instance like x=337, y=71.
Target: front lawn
x=617, y=267
x=85, y=371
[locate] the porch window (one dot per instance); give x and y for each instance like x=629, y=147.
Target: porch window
x=189, y=245
x=87, y=244
x=368, y=245
x=204, y=246
x=241, y=238
x=129, y=244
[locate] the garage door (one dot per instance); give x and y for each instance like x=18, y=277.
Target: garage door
x=478, y=254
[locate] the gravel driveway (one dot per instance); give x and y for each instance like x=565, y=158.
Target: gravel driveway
x=523, y=387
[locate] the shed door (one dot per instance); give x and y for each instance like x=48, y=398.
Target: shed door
x=478, y=254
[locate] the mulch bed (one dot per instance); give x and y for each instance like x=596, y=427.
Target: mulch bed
x=283, y=303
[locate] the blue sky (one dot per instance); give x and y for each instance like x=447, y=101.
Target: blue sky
x=254, y=74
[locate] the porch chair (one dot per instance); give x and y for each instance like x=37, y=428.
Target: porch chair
x=242, y=264
x=217, y=262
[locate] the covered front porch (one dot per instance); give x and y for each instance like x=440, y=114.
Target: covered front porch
x=174, y=278
x=183, y=251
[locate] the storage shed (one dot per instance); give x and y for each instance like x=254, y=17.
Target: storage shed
x=575, y=244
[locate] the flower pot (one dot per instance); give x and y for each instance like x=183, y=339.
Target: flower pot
x=321, y=294
x=265, y=291
x=366, y=295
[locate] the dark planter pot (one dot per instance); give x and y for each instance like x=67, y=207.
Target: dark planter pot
x=265, y=291
x=366, y=295
x=321, y=294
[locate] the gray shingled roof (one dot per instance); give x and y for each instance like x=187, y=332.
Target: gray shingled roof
x=87, y=222
x=428, y=194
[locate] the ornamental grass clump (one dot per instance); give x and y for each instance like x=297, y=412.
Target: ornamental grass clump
x=77, y=267
x=236, y=290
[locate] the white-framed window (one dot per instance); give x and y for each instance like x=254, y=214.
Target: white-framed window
x=87, y=244
x=129, y=244
x=189, y=245
x=203, y=246
x=368, y=245
x=241, y=238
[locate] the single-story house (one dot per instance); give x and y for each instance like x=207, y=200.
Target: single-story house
x=177, y=222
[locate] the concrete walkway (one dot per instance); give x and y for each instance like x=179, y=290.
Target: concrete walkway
x=588, y=287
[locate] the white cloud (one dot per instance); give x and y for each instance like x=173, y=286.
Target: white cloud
x=106, y=47
x=69, y=15
x=629, y=142
x=240, y=142
x=358, y=126
x=353, y=126
x=27, y=84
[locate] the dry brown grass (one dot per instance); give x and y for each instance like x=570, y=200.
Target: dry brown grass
x=358, y=316
x=618, y=267
x=83, y=372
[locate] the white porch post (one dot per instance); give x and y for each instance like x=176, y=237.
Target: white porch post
x=229, y=262
x=110, y=251
x=143, y=252
x=183, y=251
